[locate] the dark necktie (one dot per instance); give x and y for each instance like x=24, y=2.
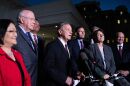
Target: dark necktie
x=66, y=48
x=30, y=39
x=120, y=50
x=81, y=44
x=35, y=40
x=68, y=61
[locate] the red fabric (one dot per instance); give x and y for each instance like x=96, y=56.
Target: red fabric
x=10, y=74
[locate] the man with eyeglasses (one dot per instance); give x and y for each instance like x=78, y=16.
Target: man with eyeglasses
x=26, y=22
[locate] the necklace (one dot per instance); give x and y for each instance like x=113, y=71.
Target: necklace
x=11, y=55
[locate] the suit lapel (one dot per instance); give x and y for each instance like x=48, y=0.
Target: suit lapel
x=105, y=50
x=25, y=37
x=62, y=48
x=98, y=51
x=77, y=45
x=100, y=56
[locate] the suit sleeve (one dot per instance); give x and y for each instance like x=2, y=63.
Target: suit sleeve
x=50, y=68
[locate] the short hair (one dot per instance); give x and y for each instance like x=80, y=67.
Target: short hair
x=118, y=33
x=21, y=14
x=61, y=25
x=4, y=23
x=77, y=28
x=94, y=35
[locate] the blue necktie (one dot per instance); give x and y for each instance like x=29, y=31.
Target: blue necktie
x=81, y=44
x=30, y=39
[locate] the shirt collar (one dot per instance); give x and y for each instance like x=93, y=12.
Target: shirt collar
x=62, y=41
x=22, y=29
x=120, y=45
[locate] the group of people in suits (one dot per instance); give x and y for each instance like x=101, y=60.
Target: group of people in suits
x=122, y=56
x=21, y=52
x=104, y=61
x=63, y=61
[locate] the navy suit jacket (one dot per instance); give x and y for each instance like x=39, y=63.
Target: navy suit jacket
x=28, y=54
x=122, y=63
x=97, y=60
x=57, y=64
x=75, y=47
x=75, y=50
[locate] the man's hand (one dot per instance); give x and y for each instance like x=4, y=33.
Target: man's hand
x=106, y=76
x=124, y=72
x=80, y=76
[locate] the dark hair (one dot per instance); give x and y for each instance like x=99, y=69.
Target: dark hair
x=4, y=23
x=94, y=27
x=118, y=33
x=94, y=35
x=77, y=28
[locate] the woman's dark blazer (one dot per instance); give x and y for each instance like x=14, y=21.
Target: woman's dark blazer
x=96, y=58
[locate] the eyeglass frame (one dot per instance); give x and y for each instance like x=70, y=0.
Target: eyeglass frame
x=29, y=18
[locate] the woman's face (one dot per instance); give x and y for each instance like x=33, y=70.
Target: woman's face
x=100, y=36
x=10, y=35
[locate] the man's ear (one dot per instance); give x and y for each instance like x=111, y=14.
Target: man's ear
x=20, y=19
x=59, y=31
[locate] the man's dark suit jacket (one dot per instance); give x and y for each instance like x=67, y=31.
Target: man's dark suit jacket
x=28, y=54
x=57, y=64
x=96, y=58
x=122, y=63
x=75, y=49
x=40, y=50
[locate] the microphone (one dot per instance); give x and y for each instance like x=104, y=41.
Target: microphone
x=83, y=56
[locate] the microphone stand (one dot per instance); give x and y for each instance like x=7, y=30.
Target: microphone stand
x=87, y=61
x=90, y=75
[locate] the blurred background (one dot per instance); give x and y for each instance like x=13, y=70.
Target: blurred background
x=110, y=15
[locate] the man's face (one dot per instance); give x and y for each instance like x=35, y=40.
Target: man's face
x=81, y=33
x=36, y=26
x=66, y=32
x=28, y=21
x=120, y=37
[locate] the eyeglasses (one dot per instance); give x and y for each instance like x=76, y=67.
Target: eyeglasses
x=32, y=19
x=11, y=31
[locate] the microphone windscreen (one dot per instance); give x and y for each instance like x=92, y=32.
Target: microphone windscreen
x=89, y=53
x=84, y=56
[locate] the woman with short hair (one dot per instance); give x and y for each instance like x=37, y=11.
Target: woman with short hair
x=12, y=68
